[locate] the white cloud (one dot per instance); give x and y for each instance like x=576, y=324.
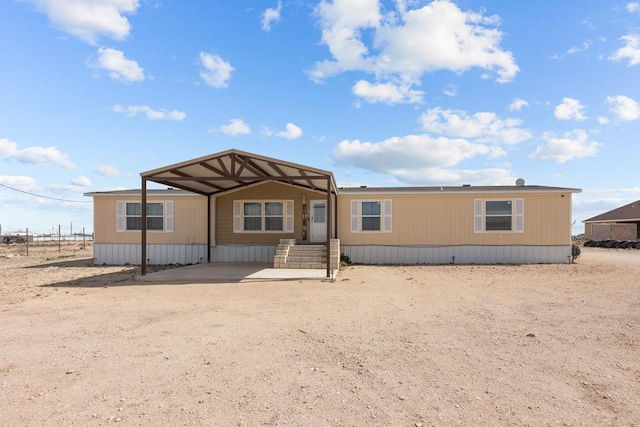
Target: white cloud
x=484, y=127
x=82, y=181
x=89, y=19
x=409, y=152
x=490, y=176
x=162, y=114
x=630, y=51
x=570, y=109
x=24, y=183
x=585, y=45
x=118, y=66
x=518, y=104
x=603, y=120
x=291, y=132
x=235, y=127
x=450, y=90
x=421, y=159
x=633, y=7
x=216, y=71
x=388, y=93
x=409, y=42
x=107, y=170
x=77, y=185
x=39, y=156
x=624, y=107
x=342, y=22
x=271, y=15
x=569, y=146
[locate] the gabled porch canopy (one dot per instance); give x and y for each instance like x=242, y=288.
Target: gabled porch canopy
x=230, y=170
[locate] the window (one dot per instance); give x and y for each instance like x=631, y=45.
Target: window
x=499, y=215
x=159, y=216
x=273, y=216
x=252, y=216
x=371, y=216
x=262, y=216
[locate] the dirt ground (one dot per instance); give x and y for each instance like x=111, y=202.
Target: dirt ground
x=528, y=345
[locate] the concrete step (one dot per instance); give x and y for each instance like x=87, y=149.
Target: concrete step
x=299, y=265
x=302, y=259
x=298, y=248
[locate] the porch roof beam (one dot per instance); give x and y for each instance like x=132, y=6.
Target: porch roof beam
x=282, y=174
x=192, y=178
x=307, y=179
x=172, y=183
x=247, y=178
x=224, y=173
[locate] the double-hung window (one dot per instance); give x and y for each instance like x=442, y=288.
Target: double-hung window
x=371, y=216
x=499, y=215
x=159, y=216
x=257, y=216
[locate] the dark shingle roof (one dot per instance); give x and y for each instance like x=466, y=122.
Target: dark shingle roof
x=630, y=212
x=137, y=192
x=382, y=190
x=460, y=189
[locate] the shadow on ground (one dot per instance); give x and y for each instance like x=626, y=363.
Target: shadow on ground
x=175, y=274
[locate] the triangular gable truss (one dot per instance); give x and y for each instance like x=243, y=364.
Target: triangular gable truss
x=231, y=170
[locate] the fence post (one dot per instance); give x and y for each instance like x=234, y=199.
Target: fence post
x=27, y=241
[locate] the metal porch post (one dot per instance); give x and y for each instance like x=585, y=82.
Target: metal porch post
x=209, y=228
x=328, y=213
x=143, y=248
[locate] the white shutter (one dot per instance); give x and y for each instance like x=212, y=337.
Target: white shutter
x=386, y=216
x=519, y=217
x=168, y=216
x=477, y=216
x=120, y=217
x=288, y=216
x=355, y=216
x=237, y=216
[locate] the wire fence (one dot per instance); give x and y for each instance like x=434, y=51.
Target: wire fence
x=49, y=239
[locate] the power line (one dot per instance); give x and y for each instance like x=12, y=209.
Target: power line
x=44, y=197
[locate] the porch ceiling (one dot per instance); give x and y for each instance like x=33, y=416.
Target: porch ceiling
x=232, y=169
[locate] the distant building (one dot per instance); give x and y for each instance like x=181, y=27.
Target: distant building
x=622, y=223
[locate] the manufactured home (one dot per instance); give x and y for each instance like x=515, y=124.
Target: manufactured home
x=236, y=206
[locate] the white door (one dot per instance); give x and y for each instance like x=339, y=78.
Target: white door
x=318, y=221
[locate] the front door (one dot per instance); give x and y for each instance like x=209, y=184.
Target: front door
x=318, y=221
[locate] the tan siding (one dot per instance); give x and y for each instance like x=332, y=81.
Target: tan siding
x=266, y=191
x=190, y=221
x=448, y=220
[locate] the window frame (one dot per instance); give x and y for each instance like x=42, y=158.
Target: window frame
x=516, y=216
x=239, y=216
x=367, y=216
x=122, y=216
x=385, y=216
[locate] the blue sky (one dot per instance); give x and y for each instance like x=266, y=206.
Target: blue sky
x=382, y=93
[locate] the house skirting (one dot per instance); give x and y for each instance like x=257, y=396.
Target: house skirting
x=458, y=254
x=243, y=253
x=123, y=254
